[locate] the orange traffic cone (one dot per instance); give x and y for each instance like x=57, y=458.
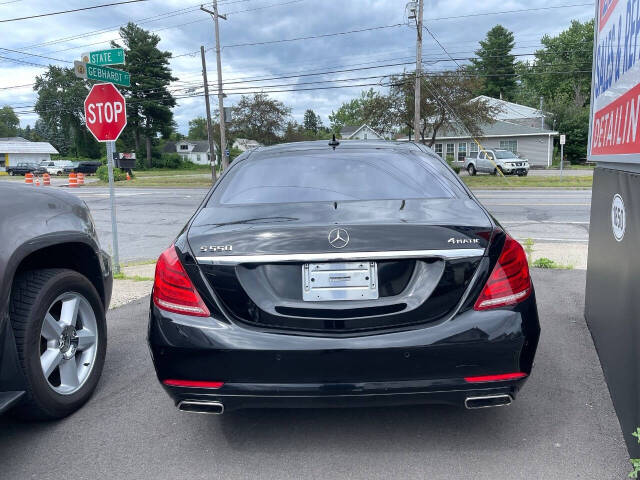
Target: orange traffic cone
x=73, y=180
x=28, y=178
x=46, y=179
x=37, y=183
x=81, y=179
x=128, y=176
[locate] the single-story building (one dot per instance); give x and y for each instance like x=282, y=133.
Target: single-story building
x=516, y=113
x=244, y=144
x=363, y=132
x=14, y=150
x=194, y=151
x=534, y=144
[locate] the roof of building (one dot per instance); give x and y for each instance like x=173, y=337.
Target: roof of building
x=510, y=110
x=13, y=139
x=497, y=129
x=20, y=145
x=349, y=131
x=199, y=146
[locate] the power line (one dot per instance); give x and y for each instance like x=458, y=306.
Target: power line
x=70, y=11
x=348, y=32
x=484, y=14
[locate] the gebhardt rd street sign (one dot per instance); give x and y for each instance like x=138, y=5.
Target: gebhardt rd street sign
x=102, y=74
x=105, y=112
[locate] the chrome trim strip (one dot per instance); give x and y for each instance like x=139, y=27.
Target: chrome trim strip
x=332, y=256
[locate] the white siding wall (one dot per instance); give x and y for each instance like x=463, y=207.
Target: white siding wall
x=537, y=149
x=15, y=158
x=370, y=135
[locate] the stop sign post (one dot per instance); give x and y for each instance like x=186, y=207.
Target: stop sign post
x=105, y=114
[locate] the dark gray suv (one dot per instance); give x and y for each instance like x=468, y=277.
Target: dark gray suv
x=55, y=287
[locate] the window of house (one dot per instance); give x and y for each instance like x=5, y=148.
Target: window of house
x=473, y=148
x=511, y=145
x=438, y=149
x=462, y=151
x=184, y=147
x=451, y=148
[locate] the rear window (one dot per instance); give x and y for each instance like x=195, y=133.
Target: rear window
x=291, y=177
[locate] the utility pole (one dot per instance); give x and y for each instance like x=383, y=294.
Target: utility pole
x=416, y=119
x=212, y=150
x=223, y=136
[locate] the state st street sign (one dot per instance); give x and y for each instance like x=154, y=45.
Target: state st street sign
x=112, y=56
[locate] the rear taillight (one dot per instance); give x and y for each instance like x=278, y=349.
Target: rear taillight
x=509, y=282
x=173, y=290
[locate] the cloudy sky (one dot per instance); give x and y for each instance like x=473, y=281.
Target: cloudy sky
x=252, y=47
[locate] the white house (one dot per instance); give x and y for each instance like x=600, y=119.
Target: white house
x=14, y=150
x=516, y=127
x=244, y=144
x=363, y=132
x=194, y=151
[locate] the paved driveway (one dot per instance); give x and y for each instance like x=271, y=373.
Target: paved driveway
x=562, y=426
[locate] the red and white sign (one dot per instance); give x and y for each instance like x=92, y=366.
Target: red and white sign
x=105, y=112
x=614, y=135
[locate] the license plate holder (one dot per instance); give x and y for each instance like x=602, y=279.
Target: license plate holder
x=324, y=282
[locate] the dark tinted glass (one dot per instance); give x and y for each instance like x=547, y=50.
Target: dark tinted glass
x=336, y=176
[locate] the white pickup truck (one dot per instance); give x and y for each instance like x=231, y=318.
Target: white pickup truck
x=490, y=161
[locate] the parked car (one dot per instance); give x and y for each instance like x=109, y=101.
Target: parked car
x=24, y=168
x=55, y=287
x=86, y=167
x=51, y=168
x=490, y=161
x=55, y=167
x=354, y=273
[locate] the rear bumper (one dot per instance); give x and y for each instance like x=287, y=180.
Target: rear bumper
x=268, y=369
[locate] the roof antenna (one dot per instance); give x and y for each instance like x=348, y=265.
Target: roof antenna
x=334, y=143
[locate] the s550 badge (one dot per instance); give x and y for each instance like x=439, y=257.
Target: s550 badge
x=458, y=241
x=216, y=248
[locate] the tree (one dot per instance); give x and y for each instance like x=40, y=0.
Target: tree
x=260, y=118
x=445, y=103
x=561, y=73
x=60, y=106
x=495, y=64
x=198, y=129
x=371, y=108
x=312, y=122
x=562, y=69
x=149, y=101
x=9, y=122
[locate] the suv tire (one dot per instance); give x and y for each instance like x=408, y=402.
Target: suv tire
x=471, y=169
x=37, y=298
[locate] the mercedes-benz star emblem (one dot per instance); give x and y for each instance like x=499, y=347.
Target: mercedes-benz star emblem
x=338, y=238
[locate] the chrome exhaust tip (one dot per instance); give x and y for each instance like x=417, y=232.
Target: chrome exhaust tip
x=201, y=406
x=471, y=403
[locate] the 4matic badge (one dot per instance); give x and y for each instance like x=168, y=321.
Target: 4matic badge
x=458, y=241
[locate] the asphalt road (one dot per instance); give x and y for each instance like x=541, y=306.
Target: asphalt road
x=149, y=218
x=562, y=425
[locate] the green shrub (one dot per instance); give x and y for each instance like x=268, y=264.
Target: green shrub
x=454, y=167
x=103, y=174
x=544, y=262
x=173, y=161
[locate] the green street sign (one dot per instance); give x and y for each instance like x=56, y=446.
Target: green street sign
x=106, y=74
x=113, y=56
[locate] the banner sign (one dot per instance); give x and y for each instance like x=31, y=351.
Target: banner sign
x=614, y=135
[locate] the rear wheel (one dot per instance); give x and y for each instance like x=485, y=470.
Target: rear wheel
x=12, y=173
x=60, y=330
x=471, y=169
x=522, y=174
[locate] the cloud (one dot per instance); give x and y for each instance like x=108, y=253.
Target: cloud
x=248, y=22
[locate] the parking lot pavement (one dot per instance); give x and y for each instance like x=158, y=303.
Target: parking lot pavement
x=562, y=426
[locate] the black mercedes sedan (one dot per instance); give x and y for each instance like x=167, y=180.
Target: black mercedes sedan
x=342, y=274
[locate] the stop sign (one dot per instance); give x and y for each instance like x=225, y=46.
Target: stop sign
x=105, y=112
